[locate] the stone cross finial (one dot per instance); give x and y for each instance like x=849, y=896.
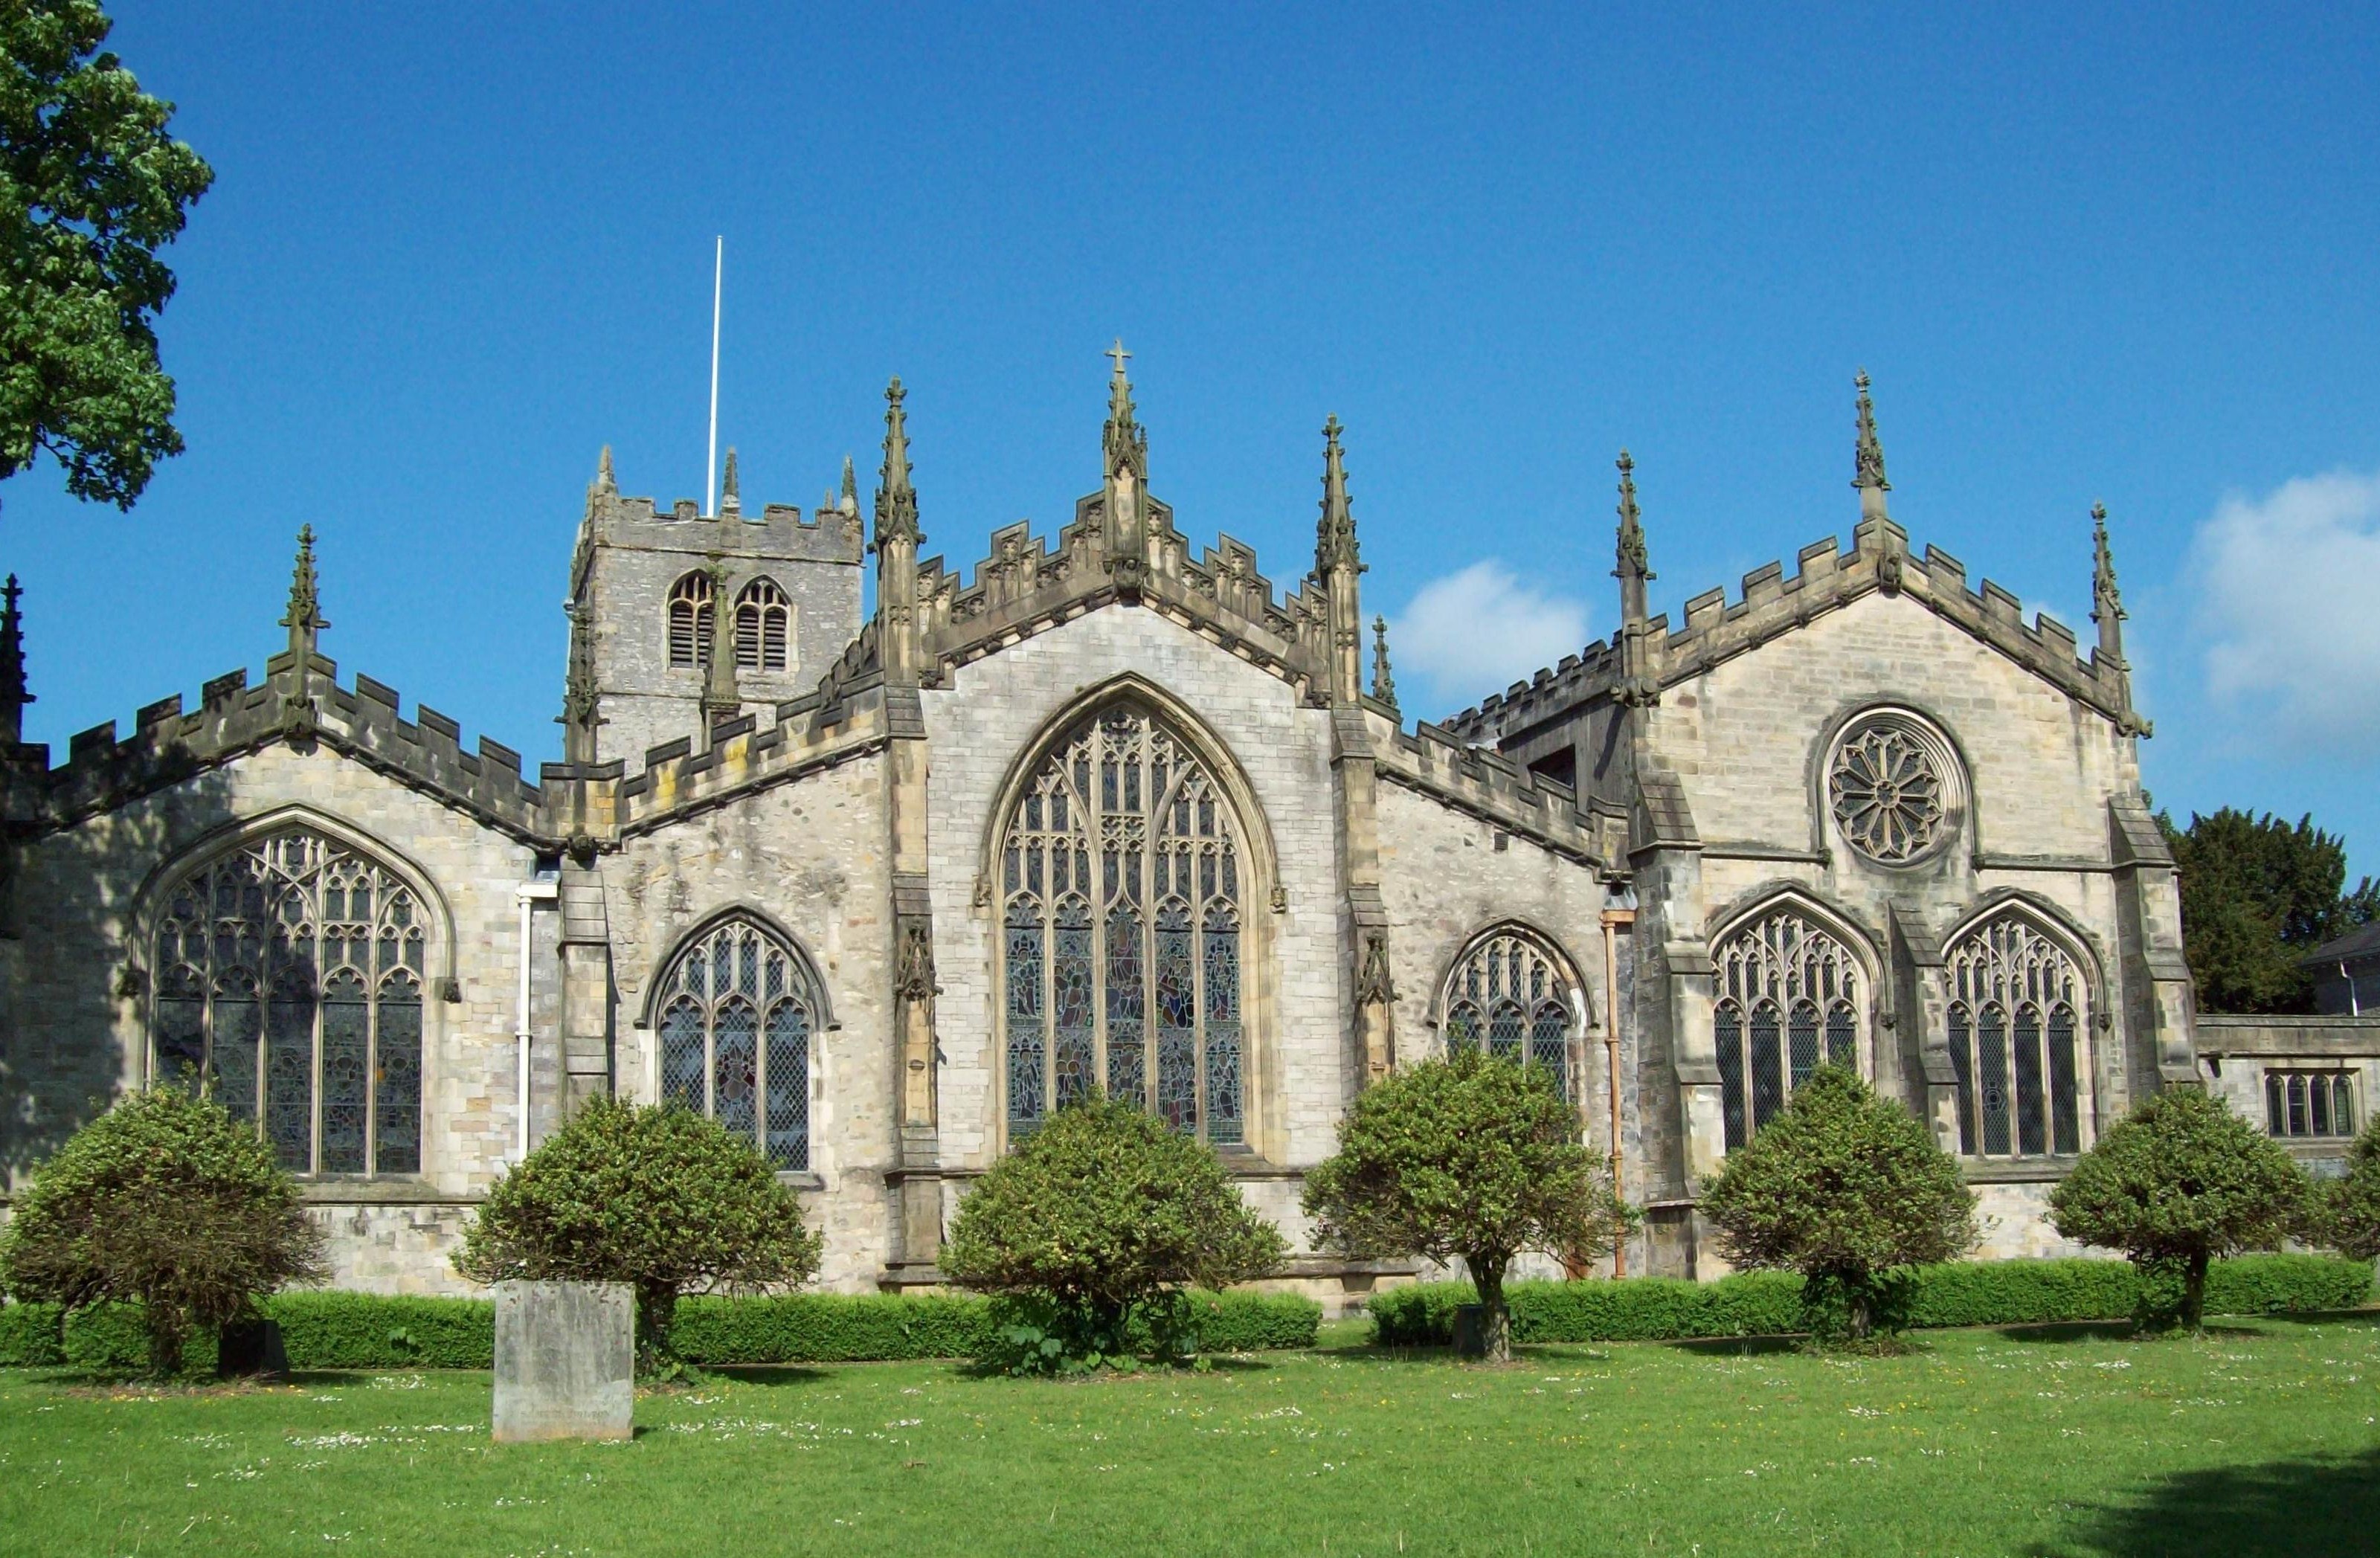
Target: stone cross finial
x=896, y=500
x=1335, y=534
x=13, y=696
x=850, y=504
x=1125, y=441
x=1867, y=459
x=731, y=500
x=1384, y=685
x=305, y=618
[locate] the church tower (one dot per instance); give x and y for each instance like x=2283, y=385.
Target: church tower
x=680, y=621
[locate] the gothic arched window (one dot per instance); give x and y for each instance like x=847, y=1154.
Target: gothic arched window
x=1788, y=1002
x=289, y=974
x=737, y=1009
x=690, y=601
x=761, y=615
x=1510, y=997
x=1121, y=879
x=2017, y=1002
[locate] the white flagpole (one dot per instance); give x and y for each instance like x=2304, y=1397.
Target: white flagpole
x=710, y=477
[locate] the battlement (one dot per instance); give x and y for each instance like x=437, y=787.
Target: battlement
x=1487, y=785
x=774, y=530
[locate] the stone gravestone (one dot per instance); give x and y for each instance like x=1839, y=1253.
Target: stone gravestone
x=566, y=1360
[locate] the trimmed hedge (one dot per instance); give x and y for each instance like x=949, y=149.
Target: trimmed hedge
x=332, y=1330
x=1769, y=1303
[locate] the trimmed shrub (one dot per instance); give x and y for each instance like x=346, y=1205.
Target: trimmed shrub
x=1769, y=1303
x=660, y=1197
x=2347, y=1217
x=1092, y=1230
x=1472, y=1156
x=168, y=1201
x=385, y=1330
x=1253, y=1322
x=30, y=1336
x=828, y=1328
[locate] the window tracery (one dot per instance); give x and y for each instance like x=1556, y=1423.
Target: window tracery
x=2017, y=1005
x=1510, y=997
x=762, y=613
x=1121, y=885
x=738, y=1011
x=289, y=981
x=1892, y=786
x=691, y=600
x=1788, y=1001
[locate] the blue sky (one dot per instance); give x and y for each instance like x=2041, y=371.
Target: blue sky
x=2087, y=254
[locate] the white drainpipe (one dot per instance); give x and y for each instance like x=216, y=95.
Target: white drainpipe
x=529, y=895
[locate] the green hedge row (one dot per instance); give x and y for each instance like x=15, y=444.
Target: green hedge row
x=370, y=1331
x=1769, y=1303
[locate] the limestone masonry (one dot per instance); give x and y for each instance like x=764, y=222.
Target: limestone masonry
x=881, y=891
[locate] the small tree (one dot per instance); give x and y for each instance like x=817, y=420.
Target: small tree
x=1846, y=1188
x=660, y=1197
x=167, y=1202
x=2177, y=1183
x=1104, y=1215
x=1473, y=1156
x=2349, y=1215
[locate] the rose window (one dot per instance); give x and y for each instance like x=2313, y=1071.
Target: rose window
x=1887, y=791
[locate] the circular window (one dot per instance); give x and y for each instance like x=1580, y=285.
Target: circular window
x=1891, y=788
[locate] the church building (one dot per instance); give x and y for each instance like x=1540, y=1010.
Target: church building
x=1105, y=813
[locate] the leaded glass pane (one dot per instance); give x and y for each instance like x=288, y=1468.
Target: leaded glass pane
x=1767, y=1066
x=1962, y=1068
x=1177, y=1047
x=1727, y=1028
x=2297, y=1106
x=1027, y=1050
x=735, y=1068
x=1802, y=1040
x=346, y=1062
x=1506, y=1031
x=1465, y=1028
x=1841, y=1043
x=683, y=1061
x=1509, y=995
x=1549, y=1045
x=2342, y=1106
x=1801, y=985
x=2031, y=1138
x=2066, y=1125
x=289, y=1068
x=788, y=1062
x=396, y=1087
x=2276, y=1109
x=1992, y=1078
x=2318, y=1104
x=1127, y=1030
x=1220, y=982
x=1071, y=1005
x=182, y=1028
x=233, y=1057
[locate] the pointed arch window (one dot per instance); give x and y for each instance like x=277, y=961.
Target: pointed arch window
x=1788, y=1002
x=691, y=600
x=738, y=1014
x=289, y=982
x=1123, y=877
x=762, y=616
x=2018, y=1004
x=1510, y=997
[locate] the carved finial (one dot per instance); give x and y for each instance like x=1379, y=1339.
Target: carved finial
x=1632, y=557
x=305, y=618
x=731, y=500
x=1335, y=534
x=850, y=504
x=604, y=480
x=13, y=696
x=1867, y=473
x=2106, y=601
x=580, y=702
x=896, y=500
x=1125, y=441
x=1384, y=685
x=721, y=700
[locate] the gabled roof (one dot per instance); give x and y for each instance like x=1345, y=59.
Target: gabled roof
x=2362, y=942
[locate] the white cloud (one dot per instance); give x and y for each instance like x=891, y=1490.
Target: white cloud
x=1477, y=632
x=2288, y=589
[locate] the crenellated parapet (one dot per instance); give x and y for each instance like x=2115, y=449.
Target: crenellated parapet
x=1437, y=763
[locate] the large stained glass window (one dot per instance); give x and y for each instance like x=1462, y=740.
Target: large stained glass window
x=1788, y=1001
x=1122, y=881
x=289, y=975
x=1509, y=997
x=737, y=1011
x=2017, y=1005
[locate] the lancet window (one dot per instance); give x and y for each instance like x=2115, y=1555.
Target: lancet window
x=289, y=976
x=2308, y=1103
x=2017, y=1002
x=738, y=1010
x=690, y=603
x=762, y=613
x=1510, y=997
x=1788, y=1002
x=1122, y=877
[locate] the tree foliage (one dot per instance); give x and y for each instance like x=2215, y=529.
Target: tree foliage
x=166, y=1201
x=2350, y=1213
x=1848, y=1189
x=1097, y=1224
x=657, y=1197
x=2257, y=895
x=1470, y=1156
x=2178, y=1182
x=90, y=189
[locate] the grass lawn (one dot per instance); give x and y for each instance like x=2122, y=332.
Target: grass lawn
x=2261, y=1438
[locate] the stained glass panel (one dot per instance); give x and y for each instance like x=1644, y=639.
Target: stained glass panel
x=396, y=1096
x=735, y=1068
x=1071, y=1005
x=2066, y=1126
x=1127, y=1036
x=1727, y=1028
x=1962, y=1070
x=1767, y=1066
x=347, y=1061
x=683, y=1064
x=1992, y=1078
x=718, y=1052
x=2031, y=1136
x=2028, y=1068
x=788, y=1104
x=1801, y=985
